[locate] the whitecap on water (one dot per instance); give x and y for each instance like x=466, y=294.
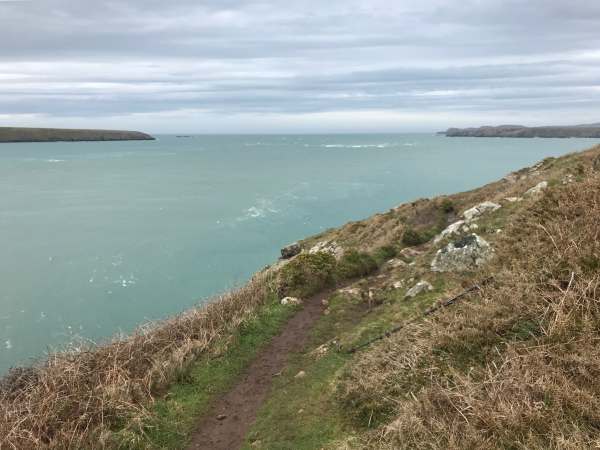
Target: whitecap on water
x=8, y=344
x=126, y=281
x=260, y=210
x=384, y=145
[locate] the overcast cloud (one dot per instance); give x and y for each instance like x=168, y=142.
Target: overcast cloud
x=298, y=66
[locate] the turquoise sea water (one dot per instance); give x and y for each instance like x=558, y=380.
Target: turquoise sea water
x=97, y=238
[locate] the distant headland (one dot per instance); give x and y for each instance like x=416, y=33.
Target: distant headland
x=520, y=131
x=17, y=134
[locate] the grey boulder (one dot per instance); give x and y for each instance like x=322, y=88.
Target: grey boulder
x=290, y=251
x=467, y=253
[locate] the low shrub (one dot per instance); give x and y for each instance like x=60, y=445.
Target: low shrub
x=355, y=264
x=412, y=237
x=306, y=275
x=447, y=206
x=385, y=253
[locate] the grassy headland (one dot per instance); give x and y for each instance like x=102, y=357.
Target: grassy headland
x=514, y=364
x=520, y=131
x=17, y=134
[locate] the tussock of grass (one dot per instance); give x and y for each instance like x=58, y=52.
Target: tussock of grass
x=77, y=400
x=517, y=367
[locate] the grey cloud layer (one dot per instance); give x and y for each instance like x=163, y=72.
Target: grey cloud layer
x=98, y=59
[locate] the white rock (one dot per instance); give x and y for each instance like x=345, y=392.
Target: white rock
x=331, y=247
x=350, y=290
x=569, y=178
x=398, y=284
x=421, y=286
x=449, y=231
x=300, y=374
x=396, y=262
x=467, y=253
x=291, y=301
x=513, y=199
x=538, y=188
x=476, y=211
x=410, y=252
x=320, y=351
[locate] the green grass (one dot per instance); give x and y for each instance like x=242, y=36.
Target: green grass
x=178, y=412
x=301, y=414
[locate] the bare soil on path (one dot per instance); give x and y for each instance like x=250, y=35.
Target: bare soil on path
x=229, y=419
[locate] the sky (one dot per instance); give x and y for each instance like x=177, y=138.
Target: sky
x=298, y=66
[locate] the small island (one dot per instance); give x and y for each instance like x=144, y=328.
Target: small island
x=520, y=131
x=18, y=134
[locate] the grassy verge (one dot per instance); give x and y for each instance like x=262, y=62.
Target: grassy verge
x=178, y=412
x=302, y=409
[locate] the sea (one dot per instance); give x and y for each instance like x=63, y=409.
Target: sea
x=98, y=238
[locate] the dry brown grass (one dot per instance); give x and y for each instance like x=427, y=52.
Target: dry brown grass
x=77, y=399
x=518, y=366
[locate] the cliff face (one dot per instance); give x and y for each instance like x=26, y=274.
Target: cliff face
x=519, y=131
x=14, y=134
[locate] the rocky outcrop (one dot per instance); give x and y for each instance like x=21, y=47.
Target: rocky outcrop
x=420, y=287
x=331, y=247
x=476, y=211
x=538, y=188
x=467, y=253
x=455, y=228
x=467, y=225
x=289, y=251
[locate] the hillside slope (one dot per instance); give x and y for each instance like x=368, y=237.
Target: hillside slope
x=512, y=363
x=15, y=134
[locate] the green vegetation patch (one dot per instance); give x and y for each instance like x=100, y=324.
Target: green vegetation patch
x=306, y=275
x=385, y=253
x=356, y=264
x=412, y=237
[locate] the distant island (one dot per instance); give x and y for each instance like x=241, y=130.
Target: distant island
x=520, y=131
x=17, y=134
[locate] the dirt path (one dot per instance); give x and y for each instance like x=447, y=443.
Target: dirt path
x=240, y=405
